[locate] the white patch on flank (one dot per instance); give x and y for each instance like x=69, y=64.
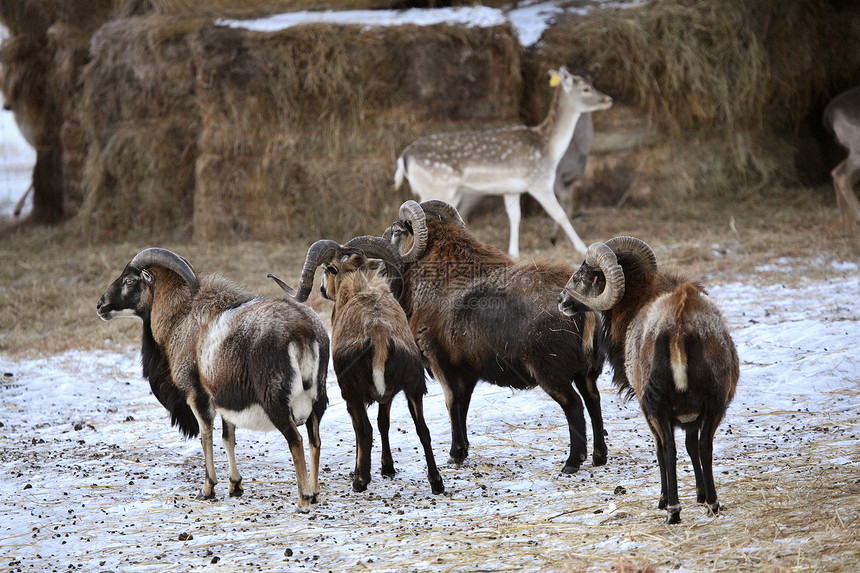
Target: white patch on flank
x=216, y=334
x=379, y=381
x=305, y=362
x=252, y=418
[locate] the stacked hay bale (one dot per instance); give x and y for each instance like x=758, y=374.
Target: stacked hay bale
x=301, y=127
x=141, y=124
x=199, y=129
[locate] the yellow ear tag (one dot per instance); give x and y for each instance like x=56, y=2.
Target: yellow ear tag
x=554, y=79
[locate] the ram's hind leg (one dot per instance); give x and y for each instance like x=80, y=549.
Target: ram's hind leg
x=706, y=455
x=363, y=444
x=313, y=427
x=228, y=435
x=205, y=423
x=667, y=459
x=416, y=410
x=297, y=450
x=383, y=421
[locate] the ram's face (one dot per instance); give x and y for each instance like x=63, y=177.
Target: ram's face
x=130, y=295
x=400, y=235
x=588, y=281
x=335, y=271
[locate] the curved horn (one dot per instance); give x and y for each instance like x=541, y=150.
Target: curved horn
x=323, y=250
x=446, y=212
x=376, y=248
x=156, y=257
x=638, y=248
x=599, y=255
x=413, y=213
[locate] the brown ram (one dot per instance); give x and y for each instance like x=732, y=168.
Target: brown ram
x=669, y=346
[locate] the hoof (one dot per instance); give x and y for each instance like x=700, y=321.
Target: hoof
x=436, y=486
x=714, y=508
x=598, y=459
x=674, y=515
x=203, y=497
x=315, y=498
x=570, y=468
x=236, y=488
x=388, y=471
x=458, y=455
x=359, y=485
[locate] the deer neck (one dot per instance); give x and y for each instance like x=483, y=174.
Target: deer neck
x=558, y=125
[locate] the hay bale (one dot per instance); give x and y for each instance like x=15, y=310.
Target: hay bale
x=141, y=124
x=301, y=127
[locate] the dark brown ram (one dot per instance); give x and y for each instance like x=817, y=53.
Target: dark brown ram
x=478, y=315
x=669, y=346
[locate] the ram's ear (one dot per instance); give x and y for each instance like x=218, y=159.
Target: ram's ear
x=146, y=276
x=331, y=269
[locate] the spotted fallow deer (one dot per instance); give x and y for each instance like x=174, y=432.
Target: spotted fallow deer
x=842, y=118
x=507, y=161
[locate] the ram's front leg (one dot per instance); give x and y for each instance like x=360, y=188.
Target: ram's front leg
x=209, y=482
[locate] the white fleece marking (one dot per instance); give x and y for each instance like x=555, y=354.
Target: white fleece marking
x=679, y=367
x=305, y=363
x=687, y=418
x=216, y=334
x=379, y=382
x=252, y=418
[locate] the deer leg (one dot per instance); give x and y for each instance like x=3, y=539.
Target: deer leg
x=363, y=444
x=228, y=436
x=416, y=410
x=512, y=207
x=383, y=421
x=544, y=195
x=564, y=192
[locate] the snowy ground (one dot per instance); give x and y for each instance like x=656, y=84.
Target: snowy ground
x=96, y=479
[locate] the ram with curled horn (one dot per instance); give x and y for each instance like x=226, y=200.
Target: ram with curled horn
x=212, y=348
x=669, y=345
x=373, y=350
x=478, y=315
